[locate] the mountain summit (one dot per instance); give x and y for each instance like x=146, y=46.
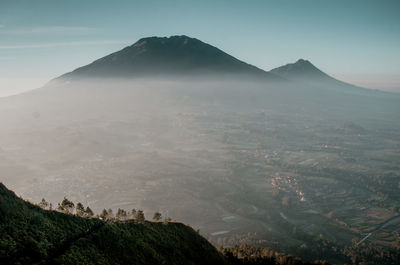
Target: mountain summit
x=305, y=72
x=158, y=56
x=300, y=70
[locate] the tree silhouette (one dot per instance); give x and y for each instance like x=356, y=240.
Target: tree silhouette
x=43, y=204
x=139, y=217
x=67, y=206
x=60, y=208
x=104, y=215
x=157, y=216
x=121, y=214
x=88, y=212
x=132, y=214
x=110, y=213
x=80, y=210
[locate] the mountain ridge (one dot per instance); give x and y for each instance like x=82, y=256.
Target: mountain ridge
x=183, y=57
x=31, y=235
x=304, y=71
x=175, y=55
x=301, y=66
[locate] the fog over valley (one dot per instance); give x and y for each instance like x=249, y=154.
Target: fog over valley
x=291, y=159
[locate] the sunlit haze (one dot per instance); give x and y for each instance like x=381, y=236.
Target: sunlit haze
x=200, y=132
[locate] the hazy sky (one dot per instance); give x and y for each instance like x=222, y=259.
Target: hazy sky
x=356, y=41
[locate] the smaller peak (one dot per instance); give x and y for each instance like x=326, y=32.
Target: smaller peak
x=301, y=69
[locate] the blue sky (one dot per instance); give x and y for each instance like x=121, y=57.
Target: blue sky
x=356, y=41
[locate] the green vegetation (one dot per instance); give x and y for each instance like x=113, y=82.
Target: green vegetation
x=255, y=255
x=29, y=234
x=302, y=171
x=32, y=235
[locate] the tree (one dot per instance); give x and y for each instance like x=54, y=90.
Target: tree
x=80, y=210
x=43, y=204
x=157, y=216
x=110, y=213
x=88, y=212
x=104, y=215
x=132, y=214
x=60, y=208
x=121, y=214
x=67, y=206
x=139, y=217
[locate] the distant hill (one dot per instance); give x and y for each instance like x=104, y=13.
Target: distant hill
x=162, y=56
x=305, y=72
x=302, y=69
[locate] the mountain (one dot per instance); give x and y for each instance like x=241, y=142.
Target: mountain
x=206, y=152
x=301, y=69
x=185, y=57
x=305, y=72
x=176, y=55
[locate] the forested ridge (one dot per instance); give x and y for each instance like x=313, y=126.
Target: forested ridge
x=30, y=234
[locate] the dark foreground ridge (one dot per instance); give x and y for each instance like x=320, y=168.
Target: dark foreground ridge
x=31, y=235
x=67, y=244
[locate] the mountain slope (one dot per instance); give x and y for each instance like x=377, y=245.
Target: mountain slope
x=30, y=235
x=304, y=71
x=176, y=55
x=300, y=70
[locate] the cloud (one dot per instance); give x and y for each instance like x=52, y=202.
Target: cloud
x=47, y=30
x=61, y=44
